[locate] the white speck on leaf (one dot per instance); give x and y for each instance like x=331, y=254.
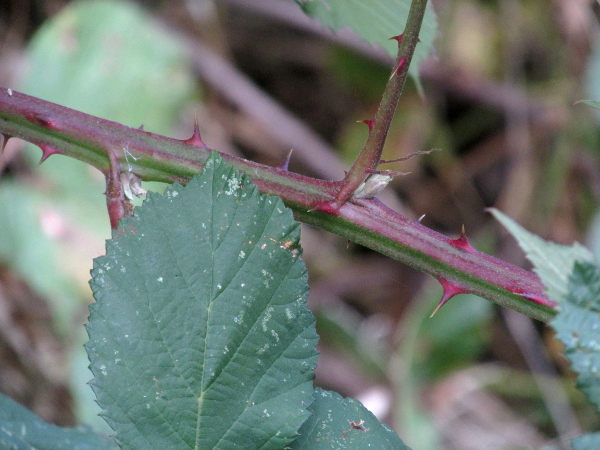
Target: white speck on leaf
x=267, y=317
x=233, y=185
x=159, y=279
x=261, y=350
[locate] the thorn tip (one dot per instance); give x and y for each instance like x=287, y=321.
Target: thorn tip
x=195, y=140
x=47, y=152
x=450, y=290
x=368, y=122
x=286, y=162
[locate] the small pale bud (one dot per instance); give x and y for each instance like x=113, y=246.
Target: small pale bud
x=372, y=186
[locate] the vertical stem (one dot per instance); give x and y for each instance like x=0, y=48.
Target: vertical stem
x=369, y=157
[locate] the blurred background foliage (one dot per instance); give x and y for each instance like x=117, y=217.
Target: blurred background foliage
x=498, y=98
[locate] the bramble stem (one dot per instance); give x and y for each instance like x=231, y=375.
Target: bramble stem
x=365, y=221
x=370, y=155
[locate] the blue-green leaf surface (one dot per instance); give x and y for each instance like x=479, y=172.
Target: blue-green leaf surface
x=577, y=325
x=20, y=429
x=589, y=441
x=375, y=21
x=200, y=336
x=344, y=423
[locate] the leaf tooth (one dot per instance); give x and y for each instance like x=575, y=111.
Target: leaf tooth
x=286, y=162
x=47, y=152
x=196, y=140
x=451, y=289
x=462, y=242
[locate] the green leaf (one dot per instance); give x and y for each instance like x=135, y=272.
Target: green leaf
x=201, y=337
x=552, y=262
x=338, y=423
x=21, y=429
x=589, y=441
x=577, y=326
x=375, y=21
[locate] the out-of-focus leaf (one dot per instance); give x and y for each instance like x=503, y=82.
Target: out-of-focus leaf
x=577, y=325
x=109, y=59
x=589, y=441
x=553, y=263
x=455, y=338
x=593, y=236
x=343, y=423
x=375, y=21
x=592, y=75
x=593, y=104
x=201, y=336
x=26, y=248
x=20, y=429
